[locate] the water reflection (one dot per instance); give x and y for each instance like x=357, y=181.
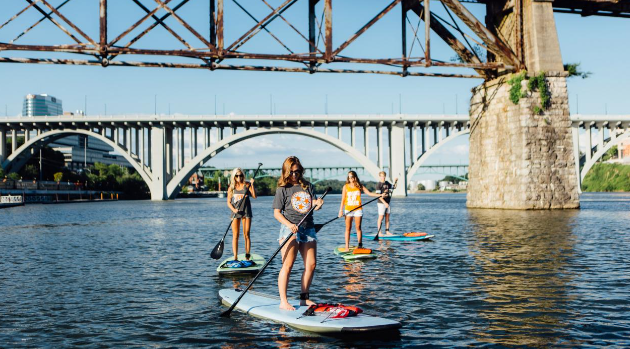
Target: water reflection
x=521, y=269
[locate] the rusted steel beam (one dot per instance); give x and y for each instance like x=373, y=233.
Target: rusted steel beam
x=403, y=32
x=37, y=23
x=103, y=28
x=427, y=32
x=312, y=34
x=54, y=21
x=365, y=27
x=18, y=14
x=68, y=21
x=260, y=25
x=135, y=25
x=187, y=26
x=213, y=23
x=265, y=29
x=445, y=35
x=290, y=25
x=224, y=67
x=493, y=42
x=328, y=28
x=220, y=42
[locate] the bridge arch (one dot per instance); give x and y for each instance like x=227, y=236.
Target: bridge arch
x=18, y=158
x=420, y=161
x=176, y=182
x=601, y=152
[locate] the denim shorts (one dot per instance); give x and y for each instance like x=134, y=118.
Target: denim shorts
x=303, y=234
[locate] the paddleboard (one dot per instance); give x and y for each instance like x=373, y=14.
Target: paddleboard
x=226, y=267
x=268, y=307
x=398, y=237
x=349, y=256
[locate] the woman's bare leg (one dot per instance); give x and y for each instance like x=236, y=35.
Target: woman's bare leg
x=289, y=252
x=357, y=225
x=236, y=222
x=247, y=224
x=309, y=255
x=347, y=234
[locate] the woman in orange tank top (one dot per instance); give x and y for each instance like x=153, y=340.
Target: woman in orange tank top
x=351, y=199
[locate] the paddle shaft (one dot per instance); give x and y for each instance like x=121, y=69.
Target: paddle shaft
x=227, y=312
x=240, y=206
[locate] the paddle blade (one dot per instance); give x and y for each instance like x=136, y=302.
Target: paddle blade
x=318, y=227
x=217, y=251
x=376, y=237
x=226, y=313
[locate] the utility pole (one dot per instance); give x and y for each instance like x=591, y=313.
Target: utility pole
x=326, y=105
x=85, y=106
x=215, y=105
x=271, y=104
x=577, y=103
x=400, y=103
x=155, y=104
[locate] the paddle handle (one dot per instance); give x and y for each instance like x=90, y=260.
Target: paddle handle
x=227, y=312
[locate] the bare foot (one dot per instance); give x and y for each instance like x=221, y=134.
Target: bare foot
x=286, y=306
x=344, y=249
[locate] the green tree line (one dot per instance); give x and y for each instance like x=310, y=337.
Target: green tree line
x=604, y=177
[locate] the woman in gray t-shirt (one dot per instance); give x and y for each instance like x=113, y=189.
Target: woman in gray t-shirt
x=294, y=199
x=238, y=202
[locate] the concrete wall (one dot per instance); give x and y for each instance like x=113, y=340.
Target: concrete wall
x=519, y=160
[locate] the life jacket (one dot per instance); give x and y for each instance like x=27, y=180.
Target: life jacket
x=414, y=233
x=336, y=311
x=361, y=250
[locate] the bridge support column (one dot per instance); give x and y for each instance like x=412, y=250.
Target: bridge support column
x=3, y=145
x=397, y=167
x=159, y=166
x=520, y=159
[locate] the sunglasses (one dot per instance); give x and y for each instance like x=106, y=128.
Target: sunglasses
x=239, y=175
x=295, y=173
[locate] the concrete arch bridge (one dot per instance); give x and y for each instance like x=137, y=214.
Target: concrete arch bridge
x=167, y=150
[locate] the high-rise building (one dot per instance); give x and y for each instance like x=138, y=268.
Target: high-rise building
x=41, y=105
x=79, y=151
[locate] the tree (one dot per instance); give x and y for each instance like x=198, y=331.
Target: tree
x=612, y=153
x=58, y=176
x=421, y=186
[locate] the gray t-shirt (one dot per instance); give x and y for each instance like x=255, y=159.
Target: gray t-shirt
x=294, y=202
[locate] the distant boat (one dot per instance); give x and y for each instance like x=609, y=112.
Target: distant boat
x=11, y=201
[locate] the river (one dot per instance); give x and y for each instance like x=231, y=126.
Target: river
x=139, y=273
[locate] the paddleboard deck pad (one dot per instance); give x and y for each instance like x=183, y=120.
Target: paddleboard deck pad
x=229, y=266
x=268, y=307
x=350, y=256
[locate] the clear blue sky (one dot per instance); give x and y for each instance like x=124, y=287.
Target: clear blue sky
x=600, y=44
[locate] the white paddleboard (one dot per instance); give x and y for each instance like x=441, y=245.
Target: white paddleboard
x=268, y=307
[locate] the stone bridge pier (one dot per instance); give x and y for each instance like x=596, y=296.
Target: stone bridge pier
x=521, y=158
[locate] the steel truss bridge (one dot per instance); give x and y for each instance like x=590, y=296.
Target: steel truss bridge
x=278, y=35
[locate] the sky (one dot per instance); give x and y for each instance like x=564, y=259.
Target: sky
x=599, y=44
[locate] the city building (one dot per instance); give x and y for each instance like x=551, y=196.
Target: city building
x=623, y=151
x=78, y=151
x=41, y=105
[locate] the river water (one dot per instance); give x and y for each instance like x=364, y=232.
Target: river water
x=139, y=273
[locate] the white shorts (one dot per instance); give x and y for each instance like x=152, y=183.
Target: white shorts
x=357, y=213
x=382, y=210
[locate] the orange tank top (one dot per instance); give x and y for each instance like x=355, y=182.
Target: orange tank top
x=353, y=198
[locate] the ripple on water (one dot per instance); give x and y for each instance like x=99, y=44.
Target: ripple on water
x=140, y=274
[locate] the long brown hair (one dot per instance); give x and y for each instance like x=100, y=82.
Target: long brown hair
x=285, y=177
x=357, y=182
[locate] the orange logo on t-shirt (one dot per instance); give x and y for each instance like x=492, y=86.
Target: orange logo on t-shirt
x=238, y=197
x=301, y=201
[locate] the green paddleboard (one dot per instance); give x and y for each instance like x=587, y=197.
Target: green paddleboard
x=241, y=268
x=349, y=256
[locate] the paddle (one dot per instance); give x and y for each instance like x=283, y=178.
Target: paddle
x=318, y=227
x=227, y=312
x=388, y=193
x=217, y=251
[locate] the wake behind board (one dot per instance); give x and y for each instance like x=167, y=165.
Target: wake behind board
x=268, y=307
x=400, y=237
x=241, y=268
x=350, y=256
